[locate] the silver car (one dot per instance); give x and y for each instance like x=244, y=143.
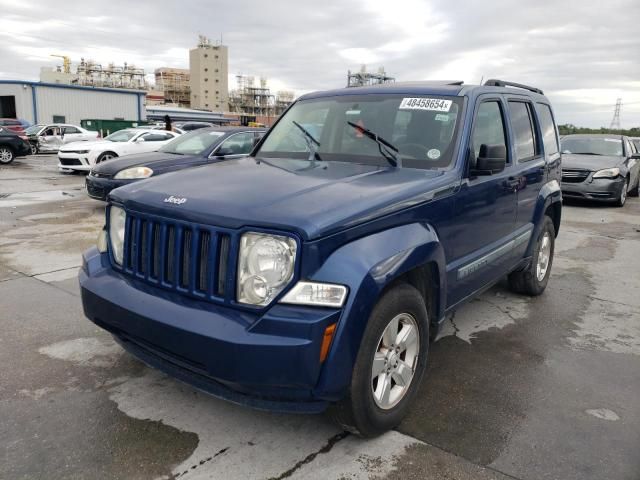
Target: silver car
x=50, y=137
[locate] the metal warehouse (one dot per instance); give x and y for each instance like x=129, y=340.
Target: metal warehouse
x=39, y=102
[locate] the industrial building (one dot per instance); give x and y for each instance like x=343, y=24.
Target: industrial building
x=174, y=83
x=39, y=102
x=209, y=67
x=92, y=74
x=364, y=78
x=257, y=102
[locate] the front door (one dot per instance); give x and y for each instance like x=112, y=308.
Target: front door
x=485, y=210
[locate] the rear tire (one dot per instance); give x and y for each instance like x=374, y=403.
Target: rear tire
x=533, y=280
x=7, y=155
x=396, y=337
x=105, y=156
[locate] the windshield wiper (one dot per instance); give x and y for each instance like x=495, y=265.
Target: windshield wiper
x=312, y=143
x=387, y=150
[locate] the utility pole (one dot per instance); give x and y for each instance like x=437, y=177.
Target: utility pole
x=615, y=122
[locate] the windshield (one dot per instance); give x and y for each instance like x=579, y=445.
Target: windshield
x=421, y=128
x=33, y=129
x=193, y=143
x=593, y=146
x=121, y=135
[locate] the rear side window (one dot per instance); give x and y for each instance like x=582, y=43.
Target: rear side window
x=548, y=128
x=489, y=126
x=522, y=124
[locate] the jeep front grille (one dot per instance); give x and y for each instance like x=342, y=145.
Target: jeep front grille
x=191, y=259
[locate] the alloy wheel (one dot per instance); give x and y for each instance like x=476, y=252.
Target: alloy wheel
x=395, y=361
x=544, y=255
x=6, y=155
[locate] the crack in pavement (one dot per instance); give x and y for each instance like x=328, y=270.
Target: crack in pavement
x=456, y=330
x=309, y=458
x=200, y=463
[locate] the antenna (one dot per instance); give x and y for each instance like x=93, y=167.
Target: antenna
x=615, y=121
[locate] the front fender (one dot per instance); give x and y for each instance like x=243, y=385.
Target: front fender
x=366, y=266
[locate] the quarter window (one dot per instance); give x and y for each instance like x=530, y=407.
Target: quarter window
x=489, y=127
x=548, y=127
x=522, y=124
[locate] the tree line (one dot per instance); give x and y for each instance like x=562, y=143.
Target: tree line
x=569, y=129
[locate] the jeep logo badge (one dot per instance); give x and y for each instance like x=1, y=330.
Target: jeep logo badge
x=175, y=200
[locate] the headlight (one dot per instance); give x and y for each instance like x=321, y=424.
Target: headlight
x=265, y=267
x=134, y=172
x=316, y=294
x=117, y=219
x=607, y=173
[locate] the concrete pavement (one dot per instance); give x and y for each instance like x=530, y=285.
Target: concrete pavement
x=516, y=388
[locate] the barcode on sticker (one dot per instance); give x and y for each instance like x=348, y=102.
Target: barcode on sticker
x=421, y=103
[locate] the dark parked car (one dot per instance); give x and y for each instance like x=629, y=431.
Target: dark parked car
x=200, y=147
x=188, y=126
x=600, y=167
x=314, y=273
x=12, y=146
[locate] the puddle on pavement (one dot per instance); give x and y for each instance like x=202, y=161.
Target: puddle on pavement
x=32, y=198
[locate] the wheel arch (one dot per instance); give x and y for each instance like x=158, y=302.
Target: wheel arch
x=370, y=266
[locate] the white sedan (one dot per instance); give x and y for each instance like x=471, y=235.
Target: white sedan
x=50, y=137
x=82, y=156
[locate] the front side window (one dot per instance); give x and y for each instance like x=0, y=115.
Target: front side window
x=489, y=127
x=605, y=146
x=522, y=124
x=239, y=144
x=548, y=127
x=157, y=137
x=193, y=143
x=421, y=128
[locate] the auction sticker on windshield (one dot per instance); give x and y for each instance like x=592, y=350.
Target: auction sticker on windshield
x=433, y=104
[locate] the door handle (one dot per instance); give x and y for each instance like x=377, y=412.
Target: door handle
x=512, y=184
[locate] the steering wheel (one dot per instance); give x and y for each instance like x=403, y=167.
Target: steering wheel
x=411, y=148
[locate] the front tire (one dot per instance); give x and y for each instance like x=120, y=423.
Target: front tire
x=7, y=155
x=622, y=198
x=533, y=280
x=105, y=157
x=390, y=364
x=34, y=148
x=634, y=191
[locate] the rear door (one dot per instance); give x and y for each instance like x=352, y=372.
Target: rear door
x=485, y=210
x=71, y=134
x=529, y=171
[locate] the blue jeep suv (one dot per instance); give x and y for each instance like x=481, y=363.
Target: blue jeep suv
x=314, y=273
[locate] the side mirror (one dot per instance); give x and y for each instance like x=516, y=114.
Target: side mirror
x=491, y=159
x=140, y=140
x=223, y=152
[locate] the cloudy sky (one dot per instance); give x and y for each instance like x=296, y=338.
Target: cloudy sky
x=584, y=54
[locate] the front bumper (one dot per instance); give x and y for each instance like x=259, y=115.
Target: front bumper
x=73, y=161
x=599, y=189
x=99, y=188
x=268, y=361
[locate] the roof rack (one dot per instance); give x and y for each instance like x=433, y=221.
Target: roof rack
x=502, y=83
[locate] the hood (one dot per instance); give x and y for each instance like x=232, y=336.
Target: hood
x=157, y=161
x=85, y=145
x=311, y=199
x=590, y=162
